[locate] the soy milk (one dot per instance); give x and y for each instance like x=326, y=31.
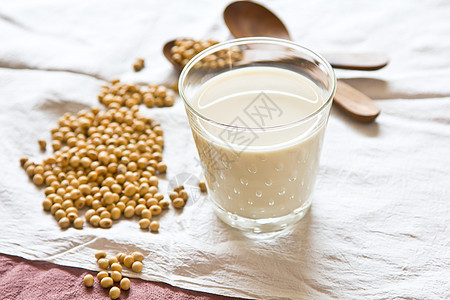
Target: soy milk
x=263, y=165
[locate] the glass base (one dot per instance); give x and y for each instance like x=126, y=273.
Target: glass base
x=262, y=225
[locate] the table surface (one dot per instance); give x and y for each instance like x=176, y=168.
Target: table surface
x=24, y=279
x=378, y=227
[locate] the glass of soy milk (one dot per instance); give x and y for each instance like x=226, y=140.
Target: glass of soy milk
x=258, y=108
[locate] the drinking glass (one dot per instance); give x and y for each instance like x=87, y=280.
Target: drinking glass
x=259, y=177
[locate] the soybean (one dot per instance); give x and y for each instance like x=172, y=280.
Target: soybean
x=137, y=267
x=88, y=280
x=106, y=282
x=114, y=292
x=125, y=284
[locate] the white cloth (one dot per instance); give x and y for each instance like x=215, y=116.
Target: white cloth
x=378, y=227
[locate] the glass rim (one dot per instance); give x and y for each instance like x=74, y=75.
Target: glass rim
x=254, y=40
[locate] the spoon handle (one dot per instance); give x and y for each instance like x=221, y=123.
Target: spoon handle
x=355, y=103
x=369, y=61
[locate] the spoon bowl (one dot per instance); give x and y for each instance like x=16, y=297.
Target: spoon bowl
x=240, y=18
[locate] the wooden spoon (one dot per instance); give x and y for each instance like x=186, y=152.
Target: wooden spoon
x=247, y=19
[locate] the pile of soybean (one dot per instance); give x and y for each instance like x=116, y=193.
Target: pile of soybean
x=107, y=160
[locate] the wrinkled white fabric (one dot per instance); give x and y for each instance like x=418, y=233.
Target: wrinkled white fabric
x=378, y=227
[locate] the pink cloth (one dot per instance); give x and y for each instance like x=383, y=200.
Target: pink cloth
x=26, y=279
